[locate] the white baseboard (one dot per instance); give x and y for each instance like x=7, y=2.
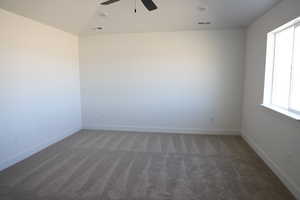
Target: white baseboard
x=163, y=130
x=286, y=180
x=33, y=150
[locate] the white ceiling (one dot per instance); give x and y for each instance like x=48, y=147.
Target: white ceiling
x=81, y=16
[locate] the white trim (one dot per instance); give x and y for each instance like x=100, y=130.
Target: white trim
x=287, y=181
x=163, y=129
x=282, y=111
x=294, y=22
x=30, y=151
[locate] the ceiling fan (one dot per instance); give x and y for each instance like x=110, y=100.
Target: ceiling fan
x=149, y=4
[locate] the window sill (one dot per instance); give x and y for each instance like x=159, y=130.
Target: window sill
x=282, y=111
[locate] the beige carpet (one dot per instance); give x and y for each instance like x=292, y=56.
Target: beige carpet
x=106, y=165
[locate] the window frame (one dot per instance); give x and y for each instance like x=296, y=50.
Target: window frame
x=296, y=25
x=270, y=68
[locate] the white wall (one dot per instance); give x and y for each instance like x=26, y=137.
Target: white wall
x=275, y=137
x=39, y=87
x=167, y=82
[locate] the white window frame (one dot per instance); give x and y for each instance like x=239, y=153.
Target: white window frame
x=270, y=58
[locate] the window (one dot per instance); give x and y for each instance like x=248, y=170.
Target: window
x=282, y=78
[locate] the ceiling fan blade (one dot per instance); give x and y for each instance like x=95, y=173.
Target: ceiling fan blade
x=109, y=2
x=149, y=4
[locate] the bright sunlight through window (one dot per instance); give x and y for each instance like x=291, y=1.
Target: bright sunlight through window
x=282, y=78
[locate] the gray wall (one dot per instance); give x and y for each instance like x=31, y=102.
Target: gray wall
x=273, y=135
x=168, y=82
x=39, y=87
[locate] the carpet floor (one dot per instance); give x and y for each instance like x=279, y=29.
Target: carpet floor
x=103, y=165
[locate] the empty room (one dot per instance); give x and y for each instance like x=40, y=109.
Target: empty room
x=149, y=100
